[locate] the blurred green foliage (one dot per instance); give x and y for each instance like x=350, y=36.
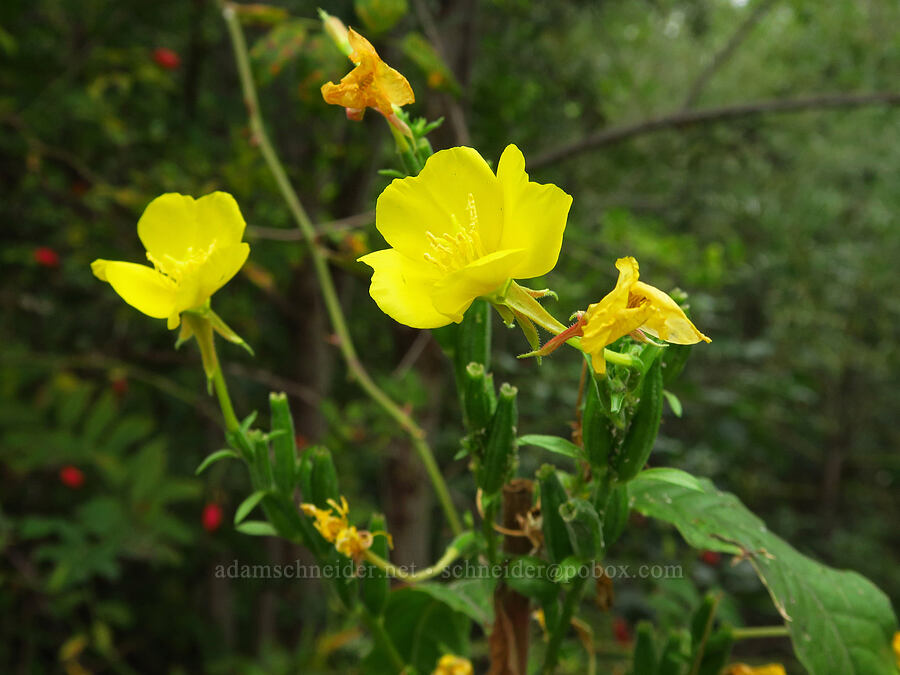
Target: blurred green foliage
x=782, y=228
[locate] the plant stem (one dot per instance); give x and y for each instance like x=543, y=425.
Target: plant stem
x=376, y=626
x=760, y=632
x=231, y=420
x=320, y=264
x=565, y=618
x=430, y=572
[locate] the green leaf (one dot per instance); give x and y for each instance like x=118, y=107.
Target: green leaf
x=248, y=505
x=472, y=597
x=215, y=457
x=257, y=528
x=554, y=444
x=672, y=477
x=674, y=403
x=838, y=620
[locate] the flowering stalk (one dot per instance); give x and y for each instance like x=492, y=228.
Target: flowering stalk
x=326, y=283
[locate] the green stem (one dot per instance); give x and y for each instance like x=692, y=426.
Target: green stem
x=320, y=264
x=221, y=387
x=376, y=626
x=451, y=554
x=760, y=632
x=565, y=618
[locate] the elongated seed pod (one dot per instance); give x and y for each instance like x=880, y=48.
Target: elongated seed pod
x=584, y=528
x=284, y=446
x=553, y=495
x=500, y=448
x=645, y=657
x=615, y=515
x=596, y=435
x=479, y=399
x=641, y=436
x=323, y=478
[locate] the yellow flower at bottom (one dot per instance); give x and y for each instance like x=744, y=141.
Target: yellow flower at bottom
x=458, y=231
x=450, y=664
x=372, y=84
x=896, y=646
x=744, y=669
x=634, y=307
x=195, y=248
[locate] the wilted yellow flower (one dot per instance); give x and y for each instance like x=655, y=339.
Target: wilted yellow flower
x=458, y=232
x=352, y=542
x=633, y=307
x=744, y=669
x=450, y=664
x=326, y=522
x=372, y=84
x=195, y=248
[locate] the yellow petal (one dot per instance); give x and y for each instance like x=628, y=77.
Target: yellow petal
x=402, y=289
x=222, y=264
x=440, y=200
x=168, y=226
x=141, y=286
x=454, y=293
x=667, y=320
x=362, y=48
x=175, y=225
x=219, y=220
x=392, y=87
x=534, y=216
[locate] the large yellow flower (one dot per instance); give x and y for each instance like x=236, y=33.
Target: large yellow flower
x=372, y=84
x=459, y=232
x=195, y=248
x=634, y=307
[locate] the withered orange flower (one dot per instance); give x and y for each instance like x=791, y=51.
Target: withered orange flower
x=372, y=84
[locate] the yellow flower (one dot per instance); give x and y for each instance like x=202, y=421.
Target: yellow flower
x=458, y=232
x=195, y=248
x=633, y=307
x=353, y=543
x=450, y=664
x=326, y=522
x=744, y=669
x=372, y=84
x=896, y=646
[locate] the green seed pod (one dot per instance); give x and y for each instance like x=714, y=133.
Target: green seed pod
x=375, y=585
x=674, y=359
x=675, y=655
x=717, y=652
x=584, y=528
x=260, y=467
x=283, y=443
x=615, y=515
x=479, y=399
x=701, y=619
x=473, y=340
x=596, y=435
x=553, y=495
x=645, y=658
x=304, y=474
x=500, y=448
x=323, y=478
x=641, y=435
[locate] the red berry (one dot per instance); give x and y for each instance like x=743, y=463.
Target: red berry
x=46, y=256
x=119, y=386
x=71, y=476
x=711, y=558
x=621, y=631
x=212, y=517
x=166, y=58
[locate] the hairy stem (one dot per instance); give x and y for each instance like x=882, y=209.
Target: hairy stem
x=326, y=283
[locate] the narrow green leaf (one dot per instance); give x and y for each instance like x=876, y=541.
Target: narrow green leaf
x=215, y=457
x=554, y=444
x=672, y=477
x=256, y=528
x=673, y=402
x=248, y=505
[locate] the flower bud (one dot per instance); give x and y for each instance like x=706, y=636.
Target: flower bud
x=166, y=58
x=584, y=528
x=553, y=495
x=71, y=477
x=641, y=436
x=211, y=517
x=323, y=478
x=283, y=443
